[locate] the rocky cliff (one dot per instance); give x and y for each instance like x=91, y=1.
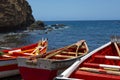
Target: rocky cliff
x=15, y=14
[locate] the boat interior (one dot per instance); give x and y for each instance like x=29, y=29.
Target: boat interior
x=68, y=52
x=104, y=64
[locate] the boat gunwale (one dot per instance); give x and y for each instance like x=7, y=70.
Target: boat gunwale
x=9, y=58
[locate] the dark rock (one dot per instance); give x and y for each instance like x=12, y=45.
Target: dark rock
x=38, y=25
x=15, y=14
x=58, y=25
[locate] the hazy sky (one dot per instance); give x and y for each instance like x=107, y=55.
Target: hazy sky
x=75, y=9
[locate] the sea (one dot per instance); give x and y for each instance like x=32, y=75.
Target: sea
x=96, y=33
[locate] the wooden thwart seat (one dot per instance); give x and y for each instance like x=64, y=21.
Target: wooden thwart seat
x=107, y=57
x=64, y=52
x=64, y=56
x=55, y=53
x=100, y=70
x=101, y=65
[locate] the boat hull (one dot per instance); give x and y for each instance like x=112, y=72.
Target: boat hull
x=42, y=69
x=40, y=74
x=8, y=68
x=52, y=63
x=9, y=73
x=8, y=60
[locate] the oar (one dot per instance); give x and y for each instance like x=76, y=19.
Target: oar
x=43, y=45
x=29, y=50
x=20, y=51
x=37, y=52
x=115, y=40
x=37, y=48
x=34, y=50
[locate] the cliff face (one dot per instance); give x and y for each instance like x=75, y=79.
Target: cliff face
x=15, y=14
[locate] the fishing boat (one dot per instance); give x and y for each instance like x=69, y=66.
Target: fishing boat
x=49, y=65
x=8, y=58
x=102, y=63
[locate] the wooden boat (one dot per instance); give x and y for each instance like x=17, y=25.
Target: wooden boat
x=8, y=62
x=49, y=65
x=102, y=63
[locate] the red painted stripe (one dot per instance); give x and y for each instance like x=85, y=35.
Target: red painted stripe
x=91, y=65
x=8, y=67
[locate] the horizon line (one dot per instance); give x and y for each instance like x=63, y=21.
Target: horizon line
x=78, y=20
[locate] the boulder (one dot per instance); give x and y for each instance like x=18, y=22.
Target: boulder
x=15, y=14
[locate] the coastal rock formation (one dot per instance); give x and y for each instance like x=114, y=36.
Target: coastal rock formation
x=37, y=25
x=15, y=14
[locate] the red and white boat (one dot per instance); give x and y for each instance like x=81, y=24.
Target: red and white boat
x=49, y=65
x=8, y=61
x=102, y=63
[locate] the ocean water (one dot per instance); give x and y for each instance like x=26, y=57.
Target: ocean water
x=96, y=33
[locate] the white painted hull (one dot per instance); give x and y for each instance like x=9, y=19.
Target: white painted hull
x=8, y=68
x=8, y=73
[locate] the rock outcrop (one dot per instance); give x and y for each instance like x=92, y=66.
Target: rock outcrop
x=37, y=25
x=15, y=14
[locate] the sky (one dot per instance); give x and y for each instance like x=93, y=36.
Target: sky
x=52, y=10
